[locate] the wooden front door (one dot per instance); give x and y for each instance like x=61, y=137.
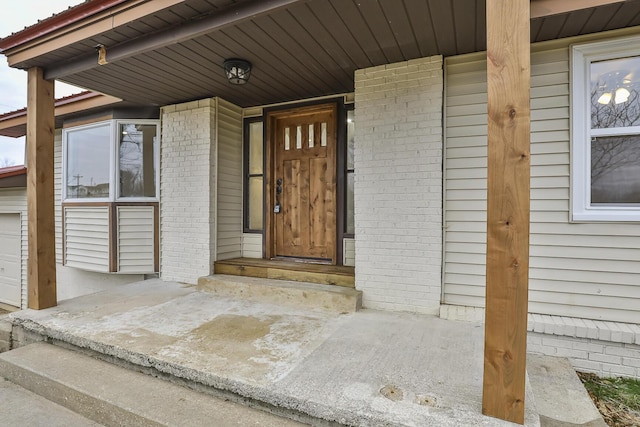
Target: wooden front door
x=302, y=187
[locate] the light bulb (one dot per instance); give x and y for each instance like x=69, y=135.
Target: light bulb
x=622, y=95
x=605, y=98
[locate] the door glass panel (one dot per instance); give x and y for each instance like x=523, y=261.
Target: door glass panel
x=255, y=148
x=287, y=139
x=299, y=137
x=323, y=129
x=311, y=136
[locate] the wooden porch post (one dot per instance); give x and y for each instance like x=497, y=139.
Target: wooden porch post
x=40, y=128
x=508, y=75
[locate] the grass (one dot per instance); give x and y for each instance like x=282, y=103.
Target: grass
x=617, y=399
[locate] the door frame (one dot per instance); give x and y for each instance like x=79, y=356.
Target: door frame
x=270, y=116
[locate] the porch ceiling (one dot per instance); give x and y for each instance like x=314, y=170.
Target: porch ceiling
x=306, y=49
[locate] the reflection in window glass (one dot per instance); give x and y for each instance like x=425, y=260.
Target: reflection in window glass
x=615, y=168
x=311, y=136
x=87, y=162
x=350, y=221
x=614, y=93
x=136, y=160
x=255, y=148
x=323, y=135
x=287, y=139
x=255, y=203
x=351, y=229
x=350, y=138
x=615, y=150
x=254, y=174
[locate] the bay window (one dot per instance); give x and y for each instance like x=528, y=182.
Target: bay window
x=110, y=196
x=111, y=161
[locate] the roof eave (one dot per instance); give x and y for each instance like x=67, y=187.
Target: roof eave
x=57, y=21
x=12, y=171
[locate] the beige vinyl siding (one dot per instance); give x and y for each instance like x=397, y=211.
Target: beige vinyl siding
x=229, y=192
x=10, y=259
x=349, y=252
x=576, y=269
x=135, y=239
x=87, y=237
x=14, y=201
x=252, y=245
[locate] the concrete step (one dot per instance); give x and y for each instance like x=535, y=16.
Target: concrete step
x=284, y=292
x=5, y=334
x=114, y=396
x=561, y=399
x=22, y=408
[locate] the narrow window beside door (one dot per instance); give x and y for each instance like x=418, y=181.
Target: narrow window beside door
x=254, y=176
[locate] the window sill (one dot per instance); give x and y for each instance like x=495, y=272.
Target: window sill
x=606, y=216
x=584, y=328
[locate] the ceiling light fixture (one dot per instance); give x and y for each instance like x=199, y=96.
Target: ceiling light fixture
x=237, y=71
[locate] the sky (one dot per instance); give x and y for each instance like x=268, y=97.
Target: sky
x=13, y=83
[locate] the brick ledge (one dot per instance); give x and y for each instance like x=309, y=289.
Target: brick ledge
x=627, y=333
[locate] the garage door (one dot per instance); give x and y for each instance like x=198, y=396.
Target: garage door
x=10, y=253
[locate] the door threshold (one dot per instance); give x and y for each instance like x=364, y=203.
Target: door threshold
x=322, y=261
x=286, y=269
x=8, y=308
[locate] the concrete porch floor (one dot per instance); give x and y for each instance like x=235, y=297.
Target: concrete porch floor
x=368, y=368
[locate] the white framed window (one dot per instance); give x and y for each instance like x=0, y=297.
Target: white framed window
x=605, y=137
x=137, y=160
x=87, y=162
x=116, y=160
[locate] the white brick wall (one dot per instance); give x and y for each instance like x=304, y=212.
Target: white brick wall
x=605, y=358
x=187, y=191
x=398, y=185
x=605, y=348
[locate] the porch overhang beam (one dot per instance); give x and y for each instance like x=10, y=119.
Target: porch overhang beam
x=171, y=36
x=14, y=125
x=542, y=8
x=41, y=278
x=508, y=198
